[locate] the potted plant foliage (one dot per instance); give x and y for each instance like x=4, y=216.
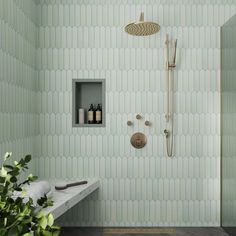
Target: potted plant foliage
x=18, y=216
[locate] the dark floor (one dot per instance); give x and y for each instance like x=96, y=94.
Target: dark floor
x=179, y=231
x=230, y=230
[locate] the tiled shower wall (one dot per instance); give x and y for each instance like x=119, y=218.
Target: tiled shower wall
x=18, y=78
x=86, y=39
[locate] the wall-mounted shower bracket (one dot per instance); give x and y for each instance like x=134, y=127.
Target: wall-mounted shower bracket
x=169, y=66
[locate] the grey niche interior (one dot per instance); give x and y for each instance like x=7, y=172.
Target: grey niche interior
x=84, y=93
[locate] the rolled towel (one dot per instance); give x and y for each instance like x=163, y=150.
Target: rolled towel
x=35, y=190
x=42, y=187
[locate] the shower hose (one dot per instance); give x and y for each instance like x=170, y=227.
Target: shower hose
x=169, y=141
x=170, y=114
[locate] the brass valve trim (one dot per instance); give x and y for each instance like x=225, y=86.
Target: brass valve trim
x=138, y=140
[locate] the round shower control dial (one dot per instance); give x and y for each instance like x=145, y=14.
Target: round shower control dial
x=138, y=140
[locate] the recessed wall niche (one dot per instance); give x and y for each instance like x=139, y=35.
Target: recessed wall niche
x=84, y=93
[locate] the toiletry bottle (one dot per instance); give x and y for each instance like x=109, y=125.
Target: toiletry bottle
x=91, y=114
x=94, y=113
x=99, y=114
x=81, y=116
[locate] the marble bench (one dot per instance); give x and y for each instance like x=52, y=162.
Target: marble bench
x=66, y=199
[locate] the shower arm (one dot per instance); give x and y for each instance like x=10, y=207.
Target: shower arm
x=141, y=18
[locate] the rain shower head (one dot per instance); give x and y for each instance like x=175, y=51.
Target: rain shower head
x=142, y=28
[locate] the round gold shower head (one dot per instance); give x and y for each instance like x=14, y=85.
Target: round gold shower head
x=142, y=28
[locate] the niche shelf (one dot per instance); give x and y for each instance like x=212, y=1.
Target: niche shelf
x=84, y=93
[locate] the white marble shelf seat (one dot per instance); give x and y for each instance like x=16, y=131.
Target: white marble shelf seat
x=66, y=199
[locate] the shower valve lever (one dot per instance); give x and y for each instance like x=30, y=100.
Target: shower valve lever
x=129, y=123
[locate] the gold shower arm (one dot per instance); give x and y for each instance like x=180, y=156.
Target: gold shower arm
x=141, y=18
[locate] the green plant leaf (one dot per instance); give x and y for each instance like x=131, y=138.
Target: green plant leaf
x=7, y=155
x=10, y=200
x=13, y=179
x=56, y=233
x=2, y=205
x=50, y=220
x=26, y=234
x=17, y=188
x=18, y=201
x=27, y=158
x=2, y=179
x=1, y=188
x=19, y=216
x=43, y=222
x=3, y=172
x=32, y=177
x=47, y=233
x=40, y=215
x=5, y=221
x=14, y=172
x=9, y=167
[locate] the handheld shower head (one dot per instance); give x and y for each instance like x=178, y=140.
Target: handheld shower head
x=170, y=64
x=174, y=55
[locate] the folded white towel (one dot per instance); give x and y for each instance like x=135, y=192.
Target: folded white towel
x=35, y=190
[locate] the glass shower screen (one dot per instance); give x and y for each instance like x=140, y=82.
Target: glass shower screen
x=228, y=124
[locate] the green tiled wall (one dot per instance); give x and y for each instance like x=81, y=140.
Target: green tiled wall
x=18, y=78
x=86, y=39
